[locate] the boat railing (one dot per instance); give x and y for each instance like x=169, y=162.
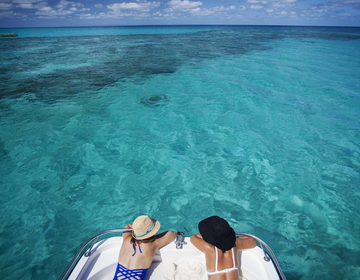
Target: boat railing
x=266, y=254
x=88, y=252
x=95, y=238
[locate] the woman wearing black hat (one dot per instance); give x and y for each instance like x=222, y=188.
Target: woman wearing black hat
x=219, y=243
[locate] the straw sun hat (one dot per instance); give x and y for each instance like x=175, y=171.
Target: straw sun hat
x=217, y=232
x=144, y=227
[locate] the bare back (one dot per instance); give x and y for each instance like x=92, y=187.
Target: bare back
x=225, y=260
x=143, y=259
x=139, y=260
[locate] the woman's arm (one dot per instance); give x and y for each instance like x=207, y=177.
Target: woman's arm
x=245, y=242
x=198, y=242
x=164, y=238
x=159, y=235
x=127, y=234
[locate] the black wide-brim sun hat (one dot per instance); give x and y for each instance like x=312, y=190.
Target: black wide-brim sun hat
x=217, y=232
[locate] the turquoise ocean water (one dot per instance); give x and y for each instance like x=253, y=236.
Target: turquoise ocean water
x=259, y=125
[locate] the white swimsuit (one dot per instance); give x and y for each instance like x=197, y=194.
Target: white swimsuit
x=226, y=269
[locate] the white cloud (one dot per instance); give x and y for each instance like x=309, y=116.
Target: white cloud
x=27, y=6
x=118, y=6
x=272, y=3
x=355, y=4
x=48, y=12
x=218, y=9
x=86, y=16
x=63, y=4
x=31, y=5
x=62, y=9
x=222, y=8
x=273, y=6
x=277, y=5
x=201, y=12
x=185, y=5
x=143, y=6
x=11, y=14
x=5, y=6
x=26, y=1
x=194, y=8
x=282, y=1
x=260, y=2
x=256, y=7
x=99, y=6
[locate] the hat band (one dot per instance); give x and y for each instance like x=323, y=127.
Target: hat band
x=146, y=232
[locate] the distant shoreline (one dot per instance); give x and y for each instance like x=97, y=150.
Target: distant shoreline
x=188, y=25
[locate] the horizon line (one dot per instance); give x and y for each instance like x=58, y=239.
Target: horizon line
x=164, y=25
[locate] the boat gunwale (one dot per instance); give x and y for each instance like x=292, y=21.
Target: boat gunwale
x=87, y=253
x=95, y=238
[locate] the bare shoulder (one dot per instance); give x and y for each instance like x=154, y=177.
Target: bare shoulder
x=199, y=243
x=245, y=242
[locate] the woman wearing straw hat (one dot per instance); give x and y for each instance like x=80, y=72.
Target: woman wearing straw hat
x=219, y=243
x=139, y=247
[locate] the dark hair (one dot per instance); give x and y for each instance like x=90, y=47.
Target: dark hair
x=147, y=240
x=228, y=250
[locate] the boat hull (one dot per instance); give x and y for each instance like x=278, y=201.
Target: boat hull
x=102, y=262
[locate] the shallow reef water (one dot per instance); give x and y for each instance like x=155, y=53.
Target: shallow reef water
x=259, y=125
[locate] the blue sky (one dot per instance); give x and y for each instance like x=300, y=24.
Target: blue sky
x=45, y=13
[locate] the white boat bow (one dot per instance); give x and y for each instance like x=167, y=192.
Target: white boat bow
x=100, y=260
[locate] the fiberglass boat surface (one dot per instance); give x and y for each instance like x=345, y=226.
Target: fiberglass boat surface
x=181, y=256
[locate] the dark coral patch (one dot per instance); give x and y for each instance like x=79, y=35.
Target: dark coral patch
x=155, y=100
